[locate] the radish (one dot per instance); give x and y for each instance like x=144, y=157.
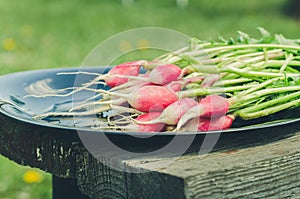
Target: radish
x=157, y=127
x=160, y=75
x=209, y=107
x=145, y=98
x=213, y=124
x=165, y=74
x=151, y=98
x=214, y=106
x=126, y=69
x=208, y=124
x=174, y=112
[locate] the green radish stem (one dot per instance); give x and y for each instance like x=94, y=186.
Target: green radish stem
x=268, y=111
x=232, y=67
x=287, y=61
x=209, y=91
x=276, y=64
x=255, y=74
x=256, y=55
x=243, y=46
x=259, y=86
x=240, y=53
x=261, y=93
x=253, y=109
x=231, y=81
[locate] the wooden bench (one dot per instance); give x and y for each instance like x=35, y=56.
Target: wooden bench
x=260, y=164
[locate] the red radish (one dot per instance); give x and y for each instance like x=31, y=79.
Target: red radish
x=147, y=98
x=126, y=69
x=209, y=124
x=213, y=124
x=214, y=106
x=164, y=74
x=150, y=97
x=157, y=127
x=160, y=75
x=174, y=111
x=210, y=106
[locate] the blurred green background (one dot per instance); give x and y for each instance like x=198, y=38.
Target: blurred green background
x=37, y=34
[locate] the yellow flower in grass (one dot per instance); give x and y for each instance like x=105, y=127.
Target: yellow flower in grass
x=9, y=44
x=32, y=176
x=143, y=44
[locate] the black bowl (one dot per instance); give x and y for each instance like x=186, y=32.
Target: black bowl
x=16, y=105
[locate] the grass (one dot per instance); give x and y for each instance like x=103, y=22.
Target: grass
x=37, y=34
x=20, y=182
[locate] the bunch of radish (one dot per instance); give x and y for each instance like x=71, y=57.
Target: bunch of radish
x=202, y=88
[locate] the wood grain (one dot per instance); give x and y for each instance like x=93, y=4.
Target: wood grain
x=49, y=149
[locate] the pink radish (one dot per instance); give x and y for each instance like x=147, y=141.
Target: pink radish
x=213, y=124
x=160, y=75
x=164, y=74
x=151, y=98
x=126, y=69
x=210, y=106
x=174, y=111
x=208, y=124
x=214, y=106
x=147, y=98
x=157, y=127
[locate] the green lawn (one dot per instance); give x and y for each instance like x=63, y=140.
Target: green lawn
x=37, y=34
x=19, y=182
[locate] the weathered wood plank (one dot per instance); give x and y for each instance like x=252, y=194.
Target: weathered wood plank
x=97, y=180
x=49, y=149
x=270, y=170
